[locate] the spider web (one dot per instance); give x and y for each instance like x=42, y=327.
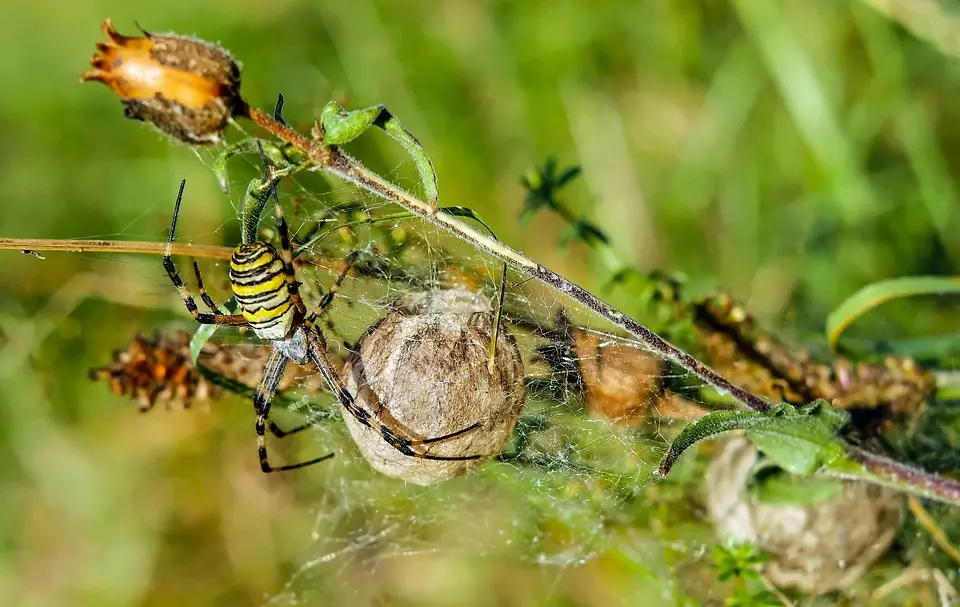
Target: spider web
x=573, y=485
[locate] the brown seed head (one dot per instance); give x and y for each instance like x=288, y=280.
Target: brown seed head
x=185, y=87
x=762, y=363
x=160, y=371
x=156, y=371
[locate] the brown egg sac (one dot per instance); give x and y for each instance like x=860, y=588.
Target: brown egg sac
x=617, y=380
x=818, y=547
x=425, y=366
x=185, y=87
x=620, y=381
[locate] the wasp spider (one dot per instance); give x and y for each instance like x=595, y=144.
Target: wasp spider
x=267, y=293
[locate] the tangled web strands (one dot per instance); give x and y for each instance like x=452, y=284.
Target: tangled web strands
x=566, y=475
x=600, y=413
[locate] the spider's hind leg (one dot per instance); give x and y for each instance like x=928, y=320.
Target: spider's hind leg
x=272, y=372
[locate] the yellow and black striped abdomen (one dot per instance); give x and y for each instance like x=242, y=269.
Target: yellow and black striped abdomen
x=260, y=286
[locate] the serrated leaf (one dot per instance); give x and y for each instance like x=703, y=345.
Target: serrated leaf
x=798, y=439
x=875, y=294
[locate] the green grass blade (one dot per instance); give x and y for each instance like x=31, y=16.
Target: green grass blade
x=875, y=294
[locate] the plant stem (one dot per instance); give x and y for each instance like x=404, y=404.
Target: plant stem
x=894, y=474
x=930, y=525
x=198, y=251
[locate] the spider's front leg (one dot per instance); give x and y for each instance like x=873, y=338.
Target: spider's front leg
x=214, y=317
x=337, y=126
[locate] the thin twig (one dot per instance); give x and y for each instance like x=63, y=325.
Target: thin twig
x=198, y=251
x=926, y=521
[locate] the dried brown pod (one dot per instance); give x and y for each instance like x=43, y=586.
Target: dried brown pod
x=425, y=365
x=623, y=382
x=818, y=547
x=762, y=363
x=185, y=87
x=617, y=379
x=161, y=372
x=157, y=371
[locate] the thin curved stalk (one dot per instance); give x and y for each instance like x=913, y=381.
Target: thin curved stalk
x=198, y=251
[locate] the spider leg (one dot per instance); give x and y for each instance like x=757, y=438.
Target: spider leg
x=272, y=372
x=390, y=430
x=280, y=432
x=286, y=253
x=203, y=292
x=214, y=318
x=327, y=298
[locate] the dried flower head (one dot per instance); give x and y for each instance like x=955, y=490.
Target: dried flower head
x=186, y=87
x=161, y=372
x=815, y=547
x=157, y=371
x=425, y=365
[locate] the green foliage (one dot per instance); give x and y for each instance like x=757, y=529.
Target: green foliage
x=340, y=126
x=740, y=564
x=722, y=174
x=883, y=291
x=799, y=439
x=772, y=485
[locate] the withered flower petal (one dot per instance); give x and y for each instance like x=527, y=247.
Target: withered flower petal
x=185, y=87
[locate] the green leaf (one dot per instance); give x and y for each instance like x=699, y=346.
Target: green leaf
x=204, y=332
x=567, y=176
x=934, y=347
x=200, y=338
x=469, y=214
x=873, y=295
x=583, y=231
x=799, y=439
x=341, y=126
x=774, y=486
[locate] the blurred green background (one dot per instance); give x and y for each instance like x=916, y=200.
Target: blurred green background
x=789, y=152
